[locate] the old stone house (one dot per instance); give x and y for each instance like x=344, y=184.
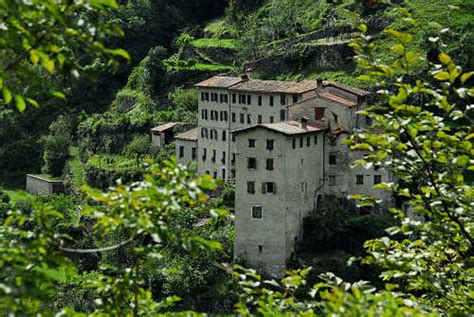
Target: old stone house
x=281, y=142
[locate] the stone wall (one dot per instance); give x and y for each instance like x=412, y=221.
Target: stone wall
x=38, y=185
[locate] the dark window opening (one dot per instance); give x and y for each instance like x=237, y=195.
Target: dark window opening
x=242, y=118
x=318, y=113
x=271, y=119
x=295, y=98
x=282, y=115
x=233, y=116
x=271, y=101
x=252, y=163
x=259, y=119
x=270, y=145
x=259, y=100
x=294, y=143
x=194, y=153
x=181, y=151
x=251, y=142
x=251, y=187
x=308, y=141
x=257, y=212
x=332, y=159
x=234, y=98
x=377, y=179
x=249, y=99
x=301, y=141
x=283, y=99
x=359, y=179
x=269, y=164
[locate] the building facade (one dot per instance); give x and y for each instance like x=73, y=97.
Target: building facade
x=282, y=144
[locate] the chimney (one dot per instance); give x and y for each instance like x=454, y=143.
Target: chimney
x=304, y=123
x=248, y=74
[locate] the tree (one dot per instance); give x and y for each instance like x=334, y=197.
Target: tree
x=139, y=146
x=56, y=147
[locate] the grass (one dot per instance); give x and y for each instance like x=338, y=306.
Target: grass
x=19, y=194
x=77, y=169
x=215, y=42
x=114, y=162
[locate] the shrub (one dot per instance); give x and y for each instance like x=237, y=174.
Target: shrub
x=56, y=147
x=4, y=197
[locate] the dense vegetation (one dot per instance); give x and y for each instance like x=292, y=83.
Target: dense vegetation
x=135, y=248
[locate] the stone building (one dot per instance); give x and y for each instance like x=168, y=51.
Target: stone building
x=163, y=134
x=43, y=185
x=281, y=142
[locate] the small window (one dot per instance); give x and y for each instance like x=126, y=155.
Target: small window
x=359, y=179
x=315, y=139
x=271, y=101
x=249, y=119
x=283, y=99
x=282, y=115
x=270, y=144
x=269, y=164
x=318, y=113
x=332, y=159
x=308, y=141
x=213, y=158
x=208, y=172
x=232, y=173
x=377, y=179
x=295, y=98
x=332, y=180
x=249, y=99
x=294, y=143
x=271, y=119
x=259, y=119
x=251, y=142
x=269, y=188
x=251, y=188
x=181, y=151
x=194, y=153
x=242, y=118
x=233, y=117
x=301, y=141
x=204, y=155
x=259, y=100
x=252, y=163
x=233, y=159
x=260, y=248
x=224, y=135
x=223, y=157
x=202, y=96
x=223, y=173
x=257, y=212
x=233, y=137
x=215, y=174
x=234, y=98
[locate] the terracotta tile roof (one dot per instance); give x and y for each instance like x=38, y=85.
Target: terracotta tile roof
x=191, y=135
x=164, y=127
x=219, y=82
x=275, y=86
x=340, y=100
x=353, y=90
x=288, y=128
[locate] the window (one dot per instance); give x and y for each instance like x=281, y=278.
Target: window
x=251, y=142
x=249, y=99
x=181, y=151
x=377, y=179
x=234, y=98
x=213, y=156
x=308, y=141
x=252, y=163
x=233, y=137
x=251, y=187
x=249, y=119
x=232, y=173
x=223, y=157
x=335, y=116
x=204, y=133
x=271, y=119
x=260, y=248
x=233, y=116
x=332, y=159
x=208, y=172
x=224, y=135
x=257, y=212
x=315, y=139
x=242, y=99
x=194, y=153
x=359, y=179
x=215, y=174
x=233, y=159
x=283, y=99
x=301, y=141
x=214, y=97
x=271, y=101
x=269, y=164
x=318, y=113
x=282, y=115
x=242, y=118
x=268, y=188
x=202, y=96
x=223, y=173
x=294, y=143
x=224, y=98
x=212, y=114
x=223, y=116
x=259, y=100
x=295, y=98
x=204, y=155
x=259, y=119
x=214, y=134
x=270, y=145
x=332, y=180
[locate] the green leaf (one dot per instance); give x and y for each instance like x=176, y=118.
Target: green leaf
x=1, y=83
x=58, y=94
x=34, y=57
x=120, y=52
x=48, y=64
x=442, y=76
x=444, y=58
x=465, y=77
x=7, y=95
x=33, y=102
x=20, y=103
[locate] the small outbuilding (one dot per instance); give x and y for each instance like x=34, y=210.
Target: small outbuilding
x=163, y=134
x=43, y=185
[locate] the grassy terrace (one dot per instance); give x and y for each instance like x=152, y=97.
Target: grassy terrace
x=215, y=42
x=18, y=194
x=114, y=162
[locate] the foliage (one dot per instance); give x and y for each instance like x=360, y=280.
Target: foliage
x=139, y=146
x=214, y=42
x=51, y=34
x=185, y=102
x=56, y=147
x=4, y=197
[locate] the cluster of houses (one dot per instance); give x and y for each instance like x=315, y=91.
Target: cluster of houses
x=281, y=143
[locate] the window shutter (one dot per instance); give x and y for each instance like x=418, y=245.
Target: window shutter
x=264, y=188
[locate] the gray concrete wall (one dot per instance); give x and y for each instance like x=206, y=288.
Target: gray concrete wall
x=187, y=151
x=38, y=185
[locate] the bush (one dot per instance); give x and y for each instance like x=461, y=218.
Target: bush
x=4, y=197
x=139, y=146
x=56, y=147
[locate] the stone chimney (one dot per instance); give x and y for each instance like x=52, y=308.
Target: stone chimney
x=304, y=123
